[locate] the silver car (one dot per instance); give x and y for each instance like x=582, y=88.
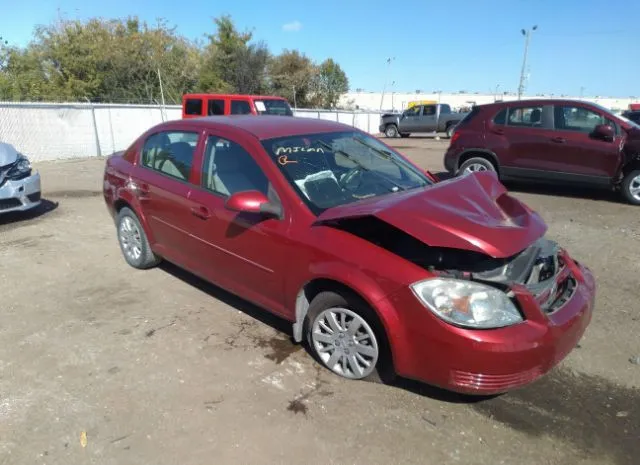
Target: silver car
x=19, y=184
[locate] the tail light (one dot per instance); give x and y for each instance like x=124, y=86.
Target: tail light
x=455, y=137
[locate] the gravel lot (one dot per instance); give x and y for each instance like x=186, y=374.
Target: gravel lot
x=158, y=367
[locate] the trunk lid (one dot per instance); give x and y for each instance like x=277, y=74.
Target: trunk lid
x=474, y=212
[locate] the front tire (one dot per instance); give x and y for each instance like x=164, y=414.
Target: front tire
x=346, y=337
x=133, y=241
x=391, y=131
x=631, y=187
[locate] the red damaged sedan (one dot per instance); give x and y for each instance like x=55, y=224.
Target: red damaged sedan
x=380, y=268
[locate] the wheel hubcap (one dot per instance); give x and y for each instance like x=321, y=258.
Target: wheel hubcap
x=130, y=238
x=634, y=188
x=345, y=343
x=475, y=167
x=391, y=132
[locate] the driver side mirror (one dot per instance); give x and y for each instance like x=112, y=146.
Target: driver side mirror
x=604, y=132
x=254, y=202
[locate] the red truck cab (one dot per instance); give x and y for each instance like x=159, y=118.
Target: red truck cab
x=198, y=105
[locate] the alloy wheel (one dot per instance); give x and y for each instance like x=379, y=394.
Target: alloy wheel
x=130, y=238
x=634, y=188
x=475, y=167
x=345, y=343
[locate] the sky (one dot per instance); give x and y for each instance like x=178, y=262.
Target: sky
x=580, y=47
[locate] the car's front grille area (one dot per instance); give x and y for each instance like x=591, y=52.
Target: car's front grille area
x=563, y=293
x=6, y=204
x=484, y=382
x=34, y=197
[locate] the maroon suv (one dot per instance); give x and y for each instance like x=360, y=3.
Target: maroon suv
x=561, y=141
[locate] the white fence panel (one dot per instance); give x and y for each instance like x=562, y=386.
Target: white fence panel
x=118, y=126
x=57, y=131
x=48, y=132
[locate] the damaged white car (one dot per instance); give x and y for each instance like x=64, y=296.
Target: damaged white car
x=19, y=185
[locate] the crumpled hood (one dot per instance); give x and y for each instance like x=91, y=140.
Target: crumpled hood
x=8, y=154
x=472, y=212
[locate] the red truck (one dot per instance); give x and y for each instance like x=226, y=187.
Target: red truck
x=198, y=105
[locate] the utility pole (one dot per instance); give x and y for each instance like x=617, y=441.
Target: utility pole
x=527, y=36
x=295, y=106
x=161, y=94
x=389, y=60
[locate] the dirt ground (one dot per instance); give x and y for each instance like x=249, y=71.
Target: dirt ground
x=157, y=367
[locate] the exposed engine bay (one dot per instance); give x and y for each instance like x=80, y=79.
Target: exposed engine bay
x=537, y=267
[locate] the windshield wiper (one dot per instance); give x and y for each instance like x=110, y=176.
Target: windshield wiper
x=383, y=154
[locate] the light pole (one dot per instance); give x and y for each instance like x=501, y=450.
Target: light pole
x=527, y=36
x=393, y=107
x=389, y=60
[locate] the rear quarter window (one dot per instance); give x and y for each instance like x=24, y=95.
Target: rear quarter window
x=469, y=117
x=501, y=117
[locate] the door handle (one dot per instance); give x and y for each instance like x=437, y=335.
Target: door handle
x=558, y=140
x=498, y=131
x=201, y=212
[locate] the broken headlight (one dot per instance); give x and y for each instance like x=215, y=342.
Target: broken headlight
x=22, y=166
x=467, y=303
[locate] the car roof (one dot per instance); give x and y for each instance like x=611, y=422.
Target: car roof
x=264, y=126
x=254, y=97
x=555, y=101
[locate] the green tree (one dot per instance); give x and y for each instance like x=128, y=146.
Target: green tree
x=231, y=63
x=100, y=60
x=331, y=83
x=122, y=60
x=293, y=70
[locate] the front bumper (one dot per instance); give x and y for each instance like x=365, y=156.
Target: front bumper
x=20, y=195
x=492, y=361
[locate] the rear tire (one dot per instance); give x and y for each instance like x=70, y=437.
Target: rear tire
x=364, y=355
x=449, y=130
x=476, y=164
x=391, y=131
x=631, y=187
x=133, y=241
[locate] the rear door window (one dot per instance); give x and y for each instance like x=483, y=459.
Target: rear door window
x=215, y=107
x=193, y=106
x=170, y=153
x=527, y=117
x=240, y=107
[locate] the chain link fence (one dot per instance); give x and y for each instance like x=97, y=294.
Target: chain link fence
x=53, y=131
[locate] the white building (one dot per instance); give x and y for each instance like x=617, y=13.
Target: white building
x=375, y=101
